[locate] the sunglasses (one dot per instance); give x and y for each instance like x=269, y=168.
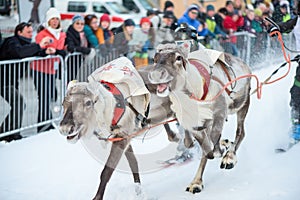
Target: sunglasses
x=79, y=23
x=195, y=13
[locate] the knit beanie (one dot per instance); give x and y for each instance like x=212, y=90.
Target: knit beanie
x=105, y=18
x=169, y=15
x=258, y=12
x=168, y=4
x=52, y=13
x=210, y=7
x=129, y=22
x=193, y=7
x=145, y=20
x=77, y=18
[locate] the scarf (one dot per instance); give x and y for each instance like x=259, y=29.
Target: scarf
x=54, y=32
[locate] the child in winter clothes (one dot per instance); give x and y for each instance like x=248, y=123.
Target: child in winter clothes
x=142, y=41
x=104, y=35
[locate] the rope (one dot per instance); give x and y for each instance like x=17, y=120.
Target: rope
x=139, y=132
x=259, y=84
x=258, y=90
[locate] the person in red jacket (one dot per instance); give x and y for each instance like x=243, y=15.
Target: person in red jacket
x=45, y=71
x=231, y=24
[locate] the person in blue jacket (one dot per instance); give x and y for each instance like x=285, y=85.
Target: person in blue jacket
x=190, y=17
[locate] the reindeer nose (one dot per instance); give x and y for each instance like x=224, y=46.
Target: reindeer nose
x=158, y=74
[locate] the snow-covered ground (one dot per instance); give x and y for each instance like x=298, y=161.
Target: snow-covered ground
x=47, y=167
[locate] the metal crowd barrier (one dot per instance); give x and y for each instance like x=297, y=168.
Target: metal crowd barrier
x=30, y=99
x=254, y=49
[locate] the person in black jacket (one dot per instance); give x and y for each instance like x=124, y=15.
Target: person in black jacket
x=77, y=42
x=17, y=47
x=285, y=27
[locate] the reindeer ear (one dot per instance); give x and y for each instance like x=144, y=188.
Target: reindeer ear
x=71, y=84
x=185, y=48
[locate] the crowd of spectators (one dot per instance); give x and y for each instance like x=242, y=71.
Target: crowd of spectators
x=90, y=36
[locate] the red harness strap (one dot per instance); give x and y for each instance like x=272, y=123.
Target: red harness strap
x=205, y=74
x=120, y=105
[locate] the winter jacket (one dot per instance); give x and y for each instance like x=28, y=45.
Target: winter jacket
x=192, y=22
x=90, y=36
x=49, y=66
x=229, y=24
x=73, y=42
x=248, y=25
x=105, y=44
x=120, y=41
x=17, y=47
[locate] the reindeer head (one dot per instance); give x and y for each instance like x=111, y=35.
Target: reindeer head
x=169, y=69
x=84, y=108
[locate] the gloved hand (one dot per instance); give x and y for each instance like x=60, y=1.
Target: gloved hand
x=297, y=58
x=272, y=30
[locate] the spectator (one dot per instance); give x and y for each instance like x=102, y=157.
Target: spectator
x=169, y=6
x=17, y=47
x=77, y=42
x=257, y=21
x=105, y=36
x=90, y=28
x=220, y=16
x=260, y=43
x=122, y=35
x=214, y=29
x=164, y=33
x=45, y=70
x=229, y=7
x=190, y=17
x=231, y=24
x=153, y=15
x=240, y=5
x=281, y=13
x=142, y=41
x=248, y=19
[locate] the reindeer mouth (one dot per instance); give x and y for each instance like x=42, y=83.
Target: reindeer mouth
x=162, y=89
x=74, y=134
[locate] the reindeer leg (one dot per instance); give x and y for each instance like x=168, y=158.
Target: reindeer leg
x=133, y=164
x=229, y=160
x=172, y=136
x=115, y=155
x=188, y=139
x=134, y=168
x=196, y=185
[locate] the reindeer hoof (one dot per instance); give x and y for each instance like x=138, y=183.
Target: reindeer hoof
x=173, y=138
x=195, y=188
x=228, y=161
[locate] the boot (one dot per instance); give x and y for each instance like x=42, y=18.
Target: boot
x=296, y=132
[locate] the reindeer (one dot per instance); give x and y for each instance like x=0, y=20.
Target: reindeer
x=191, y=81
x=89, y=110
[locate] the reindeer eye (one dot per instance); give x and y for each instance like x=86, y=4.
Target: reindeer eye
x=179, y=58
x=88, y=103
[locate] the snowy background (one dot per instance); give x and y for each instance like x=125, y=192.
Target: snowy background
x=46, y=167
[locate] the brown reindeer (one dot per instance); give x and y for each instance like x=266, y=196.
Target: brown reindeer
x=89, y=110
x=190, y=79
